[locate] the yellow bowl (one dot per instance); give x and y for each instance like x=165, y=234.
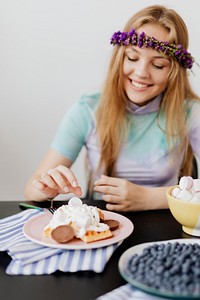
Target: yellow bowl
x=186, y=213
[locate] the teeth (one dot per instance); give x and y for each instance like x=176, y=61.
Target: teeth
x=138, y=85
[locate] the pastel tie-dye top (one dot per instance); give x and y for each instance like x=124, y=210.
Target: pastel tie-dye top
x=144, y=158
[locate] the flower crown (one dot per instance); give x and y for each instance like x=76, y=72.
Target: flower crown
x=144, y=41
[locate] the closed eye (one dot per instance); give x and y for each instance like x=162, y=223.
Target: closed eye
x=158, y=67
x=132, y=59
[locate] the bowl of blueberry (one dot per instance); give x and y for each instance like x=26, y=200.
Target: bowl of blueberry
x=168, y=269
x=184, y=204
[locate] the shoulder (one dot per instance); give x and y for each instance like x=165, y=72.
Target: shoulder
x=89, y=102
x=193, y=114
x=82, y=113
x=85, y=106
x=193, y=125
x=192, y=107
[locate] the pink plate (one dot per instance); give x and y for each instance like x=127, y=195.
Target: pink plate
x=33, y=230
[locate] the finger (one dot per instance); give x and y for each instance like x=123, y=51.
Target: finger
x=48, y=180
x=116, y=207
x=106, y=189
x=39, y=185
x=77, y=191
x=68, y=174
x=106, y=180
x=59, y=179
x=43, y=188
x=112, y=199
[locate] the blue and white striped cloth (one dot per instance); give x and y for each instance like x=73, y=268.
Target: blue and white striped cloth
x=29, y=258
x=127, y=292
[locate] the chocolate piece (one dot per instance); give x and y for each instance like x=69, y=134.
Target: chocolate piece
x=62, y=234
x=113, y=224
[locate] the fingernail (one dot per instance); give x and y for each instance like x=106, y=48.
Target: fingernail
x=74, y=183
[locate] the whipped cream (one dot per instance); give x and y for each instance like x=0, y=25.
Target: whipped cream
x=83, y=217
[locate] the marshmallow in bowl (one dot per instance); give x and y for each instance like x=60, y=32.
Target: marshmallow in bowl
x=188, y=190
x=185, y=195
x=195, y=199
x=186, y=183
x=175, y=192
x=196, y=185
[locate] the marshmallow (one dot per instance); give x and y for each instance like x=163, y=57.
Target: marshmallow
x=197, y=194
x=75, y=201
x=195, y=199
x=188, y=190
x=85, y=216
x=175, y=192
x=186, y=183
x=196, y=185
x=185, y=195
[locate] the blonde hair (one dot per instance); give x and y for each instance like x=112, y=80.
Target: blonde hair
x=111, y=114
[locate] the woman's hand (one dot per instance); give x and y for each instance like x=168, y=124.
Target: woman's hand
x=59, y=180
x=122, y=195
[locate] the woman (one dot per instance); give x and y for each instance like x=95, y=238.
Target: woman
x=139, y=131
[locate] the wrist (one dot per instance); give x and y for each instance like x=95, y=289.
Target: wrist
x=156, y=198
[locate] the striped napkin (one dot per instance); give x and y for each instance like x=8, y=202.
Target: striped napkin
x=127, y=292
x=29, y=258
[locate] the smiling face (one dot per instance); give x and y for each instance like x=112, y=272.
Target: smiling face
x=146, y=70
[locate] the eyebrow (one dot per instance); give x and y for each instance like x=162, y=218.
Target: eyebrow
x=156, y=56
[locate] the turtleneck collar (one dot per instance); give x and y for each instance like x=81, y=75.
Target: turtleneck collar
x=150, y=107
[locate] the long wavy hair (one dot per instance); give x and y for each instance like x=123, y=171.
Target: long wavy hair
x=111, y=114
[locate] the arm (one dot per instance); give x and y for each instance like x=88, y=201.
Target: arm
x=52, y=177
x=122, y=195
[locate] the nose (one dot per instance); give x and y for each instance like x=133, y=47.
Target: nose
x=142, y=70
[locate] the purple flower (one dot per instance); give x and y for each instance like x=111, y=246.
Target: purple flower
x=142, y=40
x=132, y=32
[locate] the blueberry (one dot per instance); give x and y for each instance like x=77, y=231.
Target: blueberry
x=170, y=267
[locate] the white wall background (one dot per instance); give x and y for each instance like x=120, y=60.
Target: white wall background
x=51, y=52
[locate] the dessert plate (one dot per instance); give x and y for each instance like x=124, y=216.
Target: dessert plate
x=138, y=249
x=33, y=230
